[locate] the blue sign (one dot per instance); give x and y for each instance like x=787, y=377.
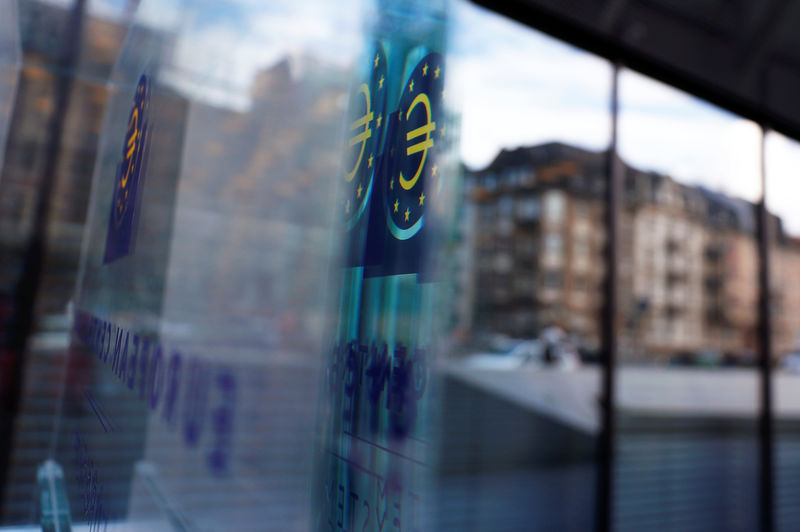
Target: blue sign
x=410, y=177
x=121, y=234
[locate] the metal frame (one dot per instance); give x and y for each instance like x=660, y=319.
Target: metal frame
x=766, y=423
x=607, y=441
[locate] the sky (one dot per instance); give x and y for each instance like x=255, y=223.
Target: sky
x=519, y=87
x=512, y=86
x=534, y=89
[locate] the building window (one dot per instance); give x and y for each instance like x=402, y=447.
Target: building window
x=552, y=279
x=553, y=244
x=554, y=204
x=528, y=209
x=505, y=206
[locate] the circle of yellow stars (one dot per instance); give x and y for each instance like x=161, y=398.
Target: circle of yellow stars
x=378, y=122
x=442, y=132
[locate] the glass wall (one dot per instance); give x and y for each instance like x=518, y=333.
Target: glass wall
x=687, y=404
x=51, y=106
x=345, y=267
x=519, y=414
x=9, y=68
x=200, y=308
x=781, y=157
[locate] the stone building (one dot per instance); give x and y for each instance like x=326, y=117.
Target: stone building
x=688, y=262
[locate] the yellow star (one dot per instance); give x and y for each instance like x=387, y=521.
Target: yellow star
x=434, y=169
x=377, y=59
x=436, y=72
x=399, y=115
x=358, y=191
x=369, y=161
x=425, y=69
x=396, y=204
x=378, y=122
x=406, y=214
x=422, y=198
x=411, y=86
x=380, y=83
x=391, y=184
x=347, y=206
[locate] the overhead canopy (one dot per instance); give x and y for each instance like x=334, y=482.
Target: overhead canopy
x=741, y=55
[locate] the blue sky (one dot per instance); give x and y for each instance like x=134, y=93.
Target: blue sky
x=520, y=87
x=516, y=87
x=512, y=86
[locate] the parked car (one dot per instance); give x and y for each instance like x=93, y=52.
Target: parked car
x=536, y=353
x=520, y=355
x=707, y=358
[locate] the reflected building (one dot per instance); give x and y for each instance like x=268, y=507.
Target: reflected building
x=46, y=35
x=44, y=28
x=250, y=188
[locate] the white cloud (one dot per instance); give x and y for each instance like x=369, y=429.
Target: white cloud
x=516, y=87
x=783, y=184
x=664, y=129
x=722, y=153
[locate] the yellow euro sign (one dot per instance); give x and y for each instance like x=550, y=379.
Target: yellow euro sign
x=133, y=129
x=423, y=145
x=364, y=135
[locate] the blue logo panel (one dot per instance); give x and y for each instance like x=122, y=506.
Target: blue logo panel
x=120, y=238
x=410, y=179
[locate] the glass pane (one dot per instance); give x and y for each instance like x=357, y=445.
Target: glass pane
x=520, y=383
x=186, y=243
x=782, y=156
x=340, y=266
x=9, y=67
x=50, y=119
x=686, y=456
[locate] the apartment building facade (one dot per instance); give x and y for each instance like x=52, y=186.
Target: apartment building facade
x=688, y=258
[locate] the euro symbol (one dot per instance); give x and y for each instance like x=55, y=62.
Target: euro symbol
x=364, y=135
x=133, y=126
x=423, y=145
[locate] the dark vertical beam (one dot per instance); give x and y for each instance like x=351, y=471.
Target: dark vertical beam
x=606, y=443
x=27, y=287
x=766, y=422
